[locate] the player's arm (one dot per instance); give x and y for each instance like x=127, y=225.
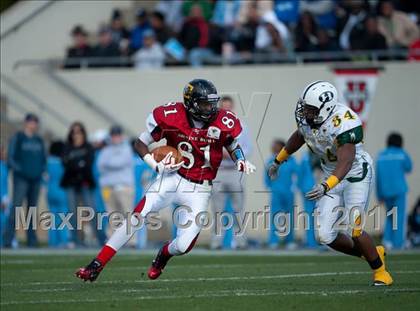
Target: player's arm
x=346, y=152
x=237, y=155
x=345, y=158
x=293, y=144
x=141, y=145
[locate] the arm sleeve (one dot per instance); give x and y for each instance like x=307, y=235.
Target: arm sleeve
x=349, y=129
x=153, y=126
x=234, y=135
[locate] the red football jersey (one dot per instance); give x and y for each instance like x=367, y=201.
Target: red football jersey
x=201, y=148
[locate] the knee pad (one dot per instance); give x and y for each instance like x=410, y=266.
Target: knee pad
x=357, y=230
x=325, y=237
x=181, y=246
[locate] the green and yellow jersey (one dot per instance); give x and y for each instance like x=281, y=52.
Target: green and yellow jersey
x=342, y=127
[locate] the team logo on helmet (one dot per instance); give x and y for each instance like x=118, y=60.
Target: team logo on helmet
x=326, y=97
x=188, y=91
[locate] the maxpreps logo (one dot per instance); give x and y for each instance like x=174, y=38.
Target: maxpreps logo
x=326, y=97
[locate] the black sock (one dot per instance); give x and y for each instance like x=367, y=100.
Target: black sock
x=376, y=263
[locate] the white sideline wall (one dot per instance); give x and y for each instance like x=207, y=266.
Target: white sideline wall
x=130, y=95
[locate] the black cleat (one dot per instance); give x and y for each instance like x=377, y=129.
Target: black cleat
x=90, y=272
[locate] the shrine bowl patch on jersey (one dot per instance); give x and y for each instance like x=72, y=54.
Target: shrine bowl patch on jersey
x=213, y=132
x=160, y=152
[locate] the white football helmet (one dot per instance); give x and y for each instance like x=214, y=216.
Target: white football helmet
x=316, y=103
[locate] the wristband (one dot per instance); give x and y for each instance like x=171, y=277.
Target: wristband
x=149, y=160
x=331, y=182
x=282, y=156
x=239, y=155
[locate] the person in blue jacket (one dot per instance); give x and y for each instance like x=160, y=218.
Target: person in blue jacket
x=282, y=197
x=306, y=181
x=56, y=196
x=392, y=164
x=4, y=192
x=26, y=161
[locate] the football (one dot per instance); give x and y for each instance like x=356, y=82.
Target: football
x=160, y=152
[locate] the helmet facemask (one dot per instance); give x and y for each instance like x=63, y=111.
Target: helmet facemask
x=204, y=109
x=307, y=113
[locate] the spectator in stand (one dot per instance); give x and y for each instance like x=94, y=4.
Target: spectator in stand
x=56, y=195
x=272, y=35
x=172, y=11
x=322, y=10
x=116, y=173
x=80, y=47
x=398, y=29
x=325, y=42
x=306, y=39
x=151, y=55
x=205, y=5
x=226, y=12
x=195, y=37
x=243, y=36
x=287, y=11
x=262, y=7
x=119, y=33
x=136, y=38
x=350, y=23
x=373, y=39
x=106, y=47
x=27, y=160
x=78, y=180
x=118, y=30
x=162, y=32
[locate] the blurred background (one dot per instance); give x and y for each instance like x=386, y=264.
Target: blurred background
x=107, y=64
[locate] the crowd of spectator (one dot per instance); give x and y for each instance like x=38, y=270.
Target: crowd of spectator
x=198, y=32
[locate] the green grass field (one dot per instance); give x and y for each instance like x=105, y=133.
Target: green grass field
x=244, y=281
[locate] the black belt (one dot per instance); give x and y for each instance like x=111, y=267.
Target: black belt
x=200, y=182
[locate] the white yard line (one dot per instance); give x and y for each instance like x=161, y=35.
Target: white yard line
x=215, y=294
x=212, y=279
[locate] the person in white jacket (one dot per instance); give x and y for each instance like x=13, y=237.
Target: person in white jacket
x=116, y=173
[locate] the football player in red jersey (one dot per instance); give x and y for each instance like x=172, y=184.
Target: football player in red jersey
x=200, y=131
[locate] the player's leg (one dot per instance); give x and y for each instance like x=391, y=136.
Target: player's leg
x=194, y=199
x=356, y=195
x=328, y=217
x=158, y=196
